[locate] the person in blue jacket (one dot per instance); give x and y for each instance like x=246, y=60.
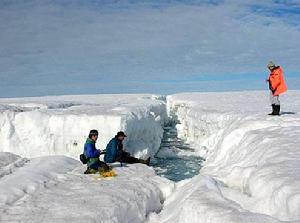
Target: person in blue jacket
x=92, y=154
x=116, y=153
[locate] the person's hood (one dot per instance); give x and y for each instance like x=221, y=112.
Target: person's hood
x=89, y=141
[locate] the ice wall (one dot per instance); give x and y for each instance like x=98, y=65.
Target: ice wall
x=253, y=158
x=59, y=125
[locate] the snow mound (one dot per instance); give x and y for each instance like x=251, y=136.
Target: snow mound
x=200, y=200
x=53, y=189
x=9, y=163
x=253, y=158
x=31, y=176
x=59, y=125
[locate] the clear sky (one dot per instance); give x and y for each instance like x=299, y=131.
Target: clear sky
x=52, y=47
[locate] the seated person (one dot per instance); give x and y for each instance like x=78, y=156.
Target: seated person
x=93, y=154
x=116, y=153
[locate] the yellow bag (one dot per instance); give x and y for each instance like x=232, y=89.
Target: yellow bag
x=109, y=173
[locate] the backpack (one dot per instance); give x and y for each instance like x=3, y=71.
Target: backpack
x=83, y=158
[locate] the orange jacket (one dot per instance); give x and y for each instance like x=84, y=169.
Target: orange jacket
x=276, y=81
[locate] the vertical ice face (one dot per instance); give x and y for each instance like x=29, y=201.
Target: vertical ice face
x=251, y=158
x=59, y=125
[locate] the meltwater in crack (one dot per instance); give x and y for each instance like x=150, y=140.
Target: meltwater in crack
x=175, y=159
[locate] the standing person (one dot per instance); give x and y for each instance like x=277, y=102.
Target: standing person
x=277, y=86
x=115, y=151
x=92, y=154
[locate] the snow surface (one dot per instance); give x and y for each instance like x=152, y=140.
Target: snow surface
x=252, y=171
x=53, y=189
x=59, y=125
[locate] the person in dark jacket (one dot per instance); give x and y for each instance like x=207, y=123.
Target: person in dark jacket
x=92, y=154
x=115, y=152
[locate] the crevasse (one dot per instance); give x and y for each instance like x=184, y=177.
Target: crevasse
x=251, y=172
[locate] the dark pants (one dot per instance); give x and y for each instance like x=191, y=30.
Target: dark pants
x=99, y=164
x=126, y=158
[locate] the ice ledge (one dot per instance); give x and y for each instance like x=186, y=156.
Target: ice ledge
x=59, y=125
x=251, y=155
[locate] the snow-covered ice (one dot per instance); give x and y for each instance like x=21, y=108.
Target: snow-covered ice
x=59, y=125
x=252, y=171
x=43, y=188
x=53, y=189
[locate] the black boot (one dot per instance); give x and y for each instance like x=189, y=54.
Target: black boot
x=147, y=161
x=103, y=167
x=273, y=110
x=277, y=110
x=90, y=171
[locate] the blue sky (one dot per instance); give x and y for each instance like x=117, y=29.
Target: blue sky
x=53, y=47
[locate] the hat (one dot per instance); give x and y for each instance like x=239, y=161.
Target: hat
x=94, y=132
x=121, y=134
x=271, y=65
